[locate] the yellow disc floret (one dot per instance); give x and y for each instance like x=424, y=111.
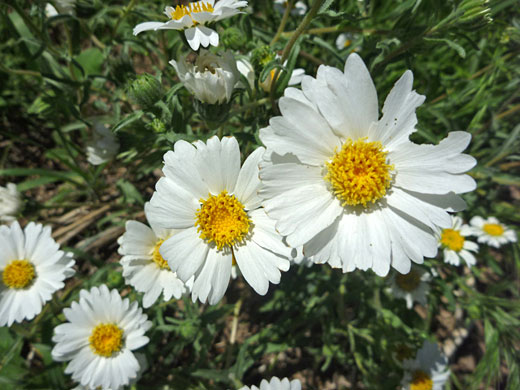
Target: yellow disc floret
x=359, y=173
x=222, y=219
x=493, y=229
x=408, y=282
x=452, y=239
x=18, y=274
x=106, y=339
x=182, y=10
x=157, y=257
x=421, y=381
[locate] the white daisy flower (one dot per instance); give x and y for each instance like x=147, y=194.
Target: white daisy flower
x=276, y=384
x=298, y=9
x=32, y=268
x=211, y=78
x=214, y=205
x=352, y=189
x=428, y=371
x=491, y=231
x=99, y=338
x=192, y=18
x=103, y=147
x=454, y=244
x=413, y=286
x=10, y=202
x=143, y=266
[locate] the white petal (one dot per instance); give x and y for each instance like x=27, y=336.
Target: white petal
x=248, y=182
x=185, y=252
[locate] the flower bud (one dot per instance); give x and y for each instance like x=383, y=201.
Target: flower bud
x=233, y=38
x=145, y=90
x=261, y=56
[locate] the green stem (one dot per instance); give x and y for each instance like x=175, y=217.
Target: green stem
x=126, y=11
x=285, y=17
x=338, y=29
x=299, y=31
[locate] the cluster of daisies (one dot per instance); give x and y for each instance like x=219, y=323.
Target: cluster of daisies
x=335, y=183
x=455, y=246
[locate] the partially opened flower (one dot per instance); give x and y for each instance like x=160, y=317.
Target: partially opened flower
x=491, y=231
x=246, y=69
x=276, y=384
x=10, y=202
x=143, y=266
x=214, y=205
x=32, y=267
x=193, y=18
x=428, y=371
x=455, y=245
x=99, y=337
x=299, y=8
x=211, y=78
x=350, y=186
x=413, y=286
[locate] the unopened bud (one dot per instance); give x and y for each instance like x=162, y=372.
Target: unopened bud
x=145, y=90
x=261, y=56
x=233, y=38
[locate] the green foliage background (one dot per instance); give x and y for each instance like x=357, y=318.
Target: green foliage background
x=59, y=75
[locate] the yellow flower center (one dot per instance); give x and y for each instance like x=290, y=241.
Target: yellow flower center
x=106, y=339
x=359, y=173
x=18, y=274
x=493, y=229
x=452, y=239
x=157, y=257
x=222, y=219
x=421, y=381
x=182, y=10
x=408, y=282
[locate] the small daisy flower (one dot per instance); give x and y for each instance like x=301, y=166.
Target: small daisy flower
x=490, y=231
x=10, y=202
x=350, y=186
x=193, y=17
x=343, y=40
x=211, y=78
x=103, y=147
x=32, y=268
x=298, y=9
x=413, y=286
x=143, y=266
x=296, y=77
x=454, y=244
x=214, y=205
x=428, y=371
x=99, y=337
x=276, y=384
